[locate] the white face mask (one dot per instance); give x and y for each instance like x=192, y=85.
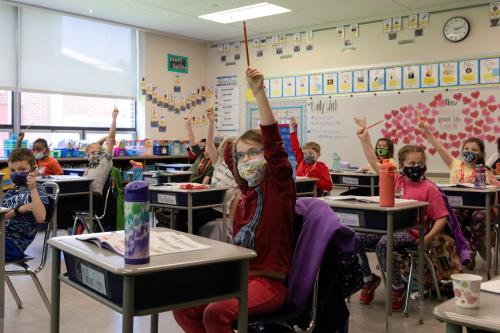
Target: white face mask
x=253, y=171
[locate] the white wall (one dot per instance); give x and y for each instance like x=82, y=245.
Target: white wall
x=373, y=48
x=156, y=48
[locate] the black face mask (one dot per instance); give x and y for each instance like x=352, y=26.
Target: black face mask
x=414, y=173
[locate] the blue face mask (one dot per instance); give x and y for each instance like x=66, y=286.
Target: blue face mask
x=470, y=156
x=19, y=178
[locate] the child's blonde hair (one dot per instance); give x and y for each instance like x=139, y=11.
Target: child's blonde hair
x=405, y=150
x=313, y=146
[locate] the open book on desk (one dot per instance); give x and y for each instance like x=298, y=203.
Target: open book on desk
x=492, y=286
x=160, y=242
x=464, y=185
x=374, y=199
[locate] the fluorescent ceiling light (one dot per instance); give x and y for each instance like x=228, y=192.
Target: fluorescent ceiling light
x=245, y=13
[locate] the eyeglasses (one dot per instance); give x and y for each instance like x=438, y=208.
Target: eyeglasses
x=251, y=153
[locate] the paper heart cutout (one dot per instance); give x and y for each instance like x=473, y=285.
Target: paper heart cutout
x=485, y=112
x=418, y=132
x=394, y=112
x=456, y=144
x=462, y=135
x=435, y=112
x=475, y=94
x=473, y=105
x=423, y=147
x=421, y=106
x=489, y=120
x=447, y=145
x=490, y=138
x=432, y=128
x=388, y=125
x=483, y=104
x=406, y=123
x=481, y=136
x=474, y=114
x=477, y=131
x=492, y=107
x=469, y=128
x=455, y=153
x=466, y=100
x=438, y=97
x=486, y=128
x=403, y=109
x=385, y=133
x=399, y=117
x=453, y=137
x=491, y=99
x=387, y=116
x=406, y=141
x=479, y=122
x=432, y=151
x=496, y=129
x=440, y=103
x=431, y=121
x=395, y=140
x=466, y=111
x=420, y=139
x=457, y=96
x=443, y=136
x=411, y=108
x=468, y=120
x=433, y=103
x=435, y=133
x=426, y=111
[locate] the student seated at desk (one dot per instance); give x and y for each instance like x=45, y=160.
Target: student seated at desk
x=46, y=165
x=26, y=202
x=472, y=222
x=193, y=156
x=494, y=161
x=202, y=168
x=384, y=150
x=308, y=164
x=411, y=182
x=262, y=221
x=100, y=159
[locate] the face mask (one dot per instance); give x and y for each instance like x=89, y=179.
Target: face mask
x=253, y=171
x=40, y=155
x=19, y=178
x=382, y=151
x=414, y=173
x=309, y=159
x=470, y=156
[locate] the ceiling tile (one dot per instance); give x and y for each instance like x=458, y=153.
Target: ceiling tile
x=281, y=22
x=426, y=4
x=213, y=34
x=189, y=23
x=211, y=6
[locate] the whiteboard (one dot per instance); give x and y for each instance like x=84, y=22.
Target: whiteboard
x=453, y=115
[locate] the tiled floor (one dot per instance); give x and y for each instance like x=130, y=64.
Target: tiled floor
x=81, y=314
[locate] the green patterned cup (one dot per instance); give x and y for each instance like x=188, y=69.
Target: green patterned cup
x=467, y=288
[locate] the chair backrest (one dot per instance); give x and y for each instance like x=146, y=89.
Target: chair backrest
x=52, y=191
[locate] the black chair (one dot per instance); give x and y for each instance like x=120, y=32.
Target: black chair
x=52, y=190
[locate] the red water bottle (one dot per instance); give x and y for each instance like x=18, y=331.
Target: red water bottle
x=387, y=179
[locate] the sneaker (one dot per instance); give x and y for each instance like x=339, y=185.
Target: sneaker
x=398, y=299
x=368, y=290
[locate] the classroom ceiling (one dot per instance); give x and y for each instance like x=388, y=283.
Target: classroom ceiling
x=180, y=17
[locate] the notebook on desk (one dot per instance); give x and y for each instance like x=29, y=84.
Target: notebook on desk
x=491, y=286
x=374, y=199
x=463, y=185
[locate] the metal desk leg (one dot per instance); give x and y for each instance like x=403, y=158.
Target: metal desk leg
x=128, y=304
x=55, y=292
x=91, y=209
x=453, y=328
x=154, y=323
x=2, y=271
x=224, y=220
x=54, y=223
x=388, y=273
x=488, y=236
x=497, y=243
x=372, y=186
x=190, y=213
x=243, y=299
x=421, y=249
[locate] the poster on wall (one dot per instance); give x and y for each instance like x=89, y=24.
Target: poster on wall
x=377, y=79
x=316, y=84
x=393, y=78
x=345, y=82
x=448, y=74
x=360, y=79
x=266, y=87
x=330, y=83
x=162, y=124
x=228, y=105
x=468, y=72
x=154, y=119
x=411, y=77
x=289, y=86
x=489, y=70
x=429, y=75
x=276, y=88
x=302, y=85
x=177, y=64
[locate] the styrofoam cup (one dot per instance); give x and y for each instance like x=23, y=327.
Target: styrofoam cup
x=466, y=288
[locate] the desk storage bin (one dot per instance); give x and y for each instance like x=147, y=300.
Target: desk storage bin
x=469, y=198
x=353, y=180
x=377, y=219
x=158, y=289
x=66, y=187
x=74, y=172
x=303, y=187
x=181, y=198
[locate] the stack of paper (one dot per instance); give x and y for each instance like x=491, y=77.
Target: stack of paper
x=374, y=199
x=491, y=286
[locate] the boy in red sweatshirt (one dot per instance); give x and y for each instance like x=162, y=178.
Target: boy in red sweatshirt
x=307, y=161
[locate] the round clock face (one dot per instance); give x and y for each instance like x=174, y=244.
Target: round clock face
x=456, y=29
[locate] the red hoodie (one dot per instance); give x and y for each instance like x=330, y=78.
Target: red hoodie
x=317, y=170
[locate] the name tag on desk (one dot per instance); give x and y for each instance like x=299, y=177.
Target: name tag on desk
x=351, y=220
x=150, y=180
x=455, y=200
x=350, y=180
x=167, y=199
x=93, y=279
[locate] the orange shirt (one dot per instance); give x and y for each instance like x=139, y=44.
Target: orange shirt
x=49, y=166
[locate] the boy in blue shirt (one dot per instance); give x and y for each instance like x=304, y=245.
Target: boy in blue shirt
x=26, y=202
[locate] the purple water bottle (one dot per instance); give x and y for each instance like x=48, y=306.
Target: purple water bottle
x=137, y=223
x=480, y=176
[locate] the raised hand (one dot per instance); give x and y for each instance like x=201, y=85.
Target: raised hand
x=211, y=114
x=255, y=79
x=115, y=112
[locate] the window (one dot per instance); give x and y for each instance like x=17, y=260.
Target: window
x=53, y=110
x=94, y=136
x=55, y=139
x=5, y=107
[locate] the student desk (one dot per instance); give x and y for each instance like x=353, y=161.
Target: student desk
x=73, y=171
x=306, y=187
x=160, y=177
x=168, y=282
x=472, y=198
x=174, y=166
x=486, y=317
x=170, y=196
x=1, y=184
x=371, y=218
x=71, y=186
x=355, y=179
x=3, y=211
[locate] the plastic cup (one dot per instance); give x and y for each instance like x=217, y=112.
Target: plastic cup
x=467, y=288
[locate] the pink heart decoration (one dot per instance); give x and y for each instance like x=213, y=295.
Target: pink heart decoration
x=432, y=151
x=462, y=135
x=492, y=107
x=453, y=137
x=475, y=94
x=474, y=114
x=489, y=120
x=403, y=109
x=456, y=144
x=457, y=96
x=387, y=116
x=447, y=145
x=455, y=153
x=466, y=111
x=440, y=103
x=468, y=120
x=426, y=111
x=411, y=108
x=486, y=128
x=485, y=112
x=483, y=104
x=473, y=105
x=421, y=106
x=490, y=138
x=491, y=99
x=420, y=139
x=496, y=129
x=435, y=112
x=385, y=133
x=399, y=117
x=433, y=103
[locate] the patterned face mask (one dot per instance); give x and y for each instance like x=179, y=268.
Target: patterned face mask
x=40, y=155
x=253, y=171
x=309, y=159
x=19, y=178
x=470, y=156
x=414, y=173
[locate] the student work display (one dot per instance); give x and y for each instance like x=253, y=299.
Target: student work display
x=452, y=115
